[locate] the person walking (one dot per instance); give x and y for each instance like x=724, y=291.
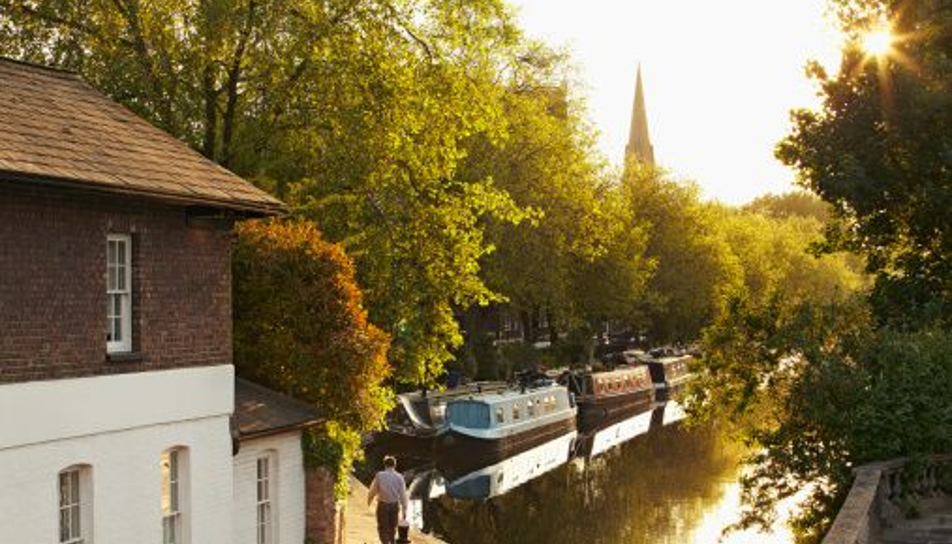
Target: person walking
x=392, y=501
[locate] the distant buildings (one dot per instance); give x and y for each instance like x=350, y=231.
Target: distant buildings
x=118, y=419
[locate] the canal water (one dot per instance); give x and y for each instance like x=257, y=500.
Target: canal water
x=644, y=479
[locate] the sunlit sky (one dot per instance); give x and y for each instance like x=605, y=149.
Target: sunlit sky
x=720, y=78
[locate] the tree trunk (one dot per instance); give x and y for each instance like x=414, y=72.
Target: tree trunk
x=209, y=146
x=528, y=328
x=234, y=77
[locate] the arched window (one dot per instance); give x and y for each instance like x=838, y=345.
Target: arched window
x=75, y=505
x=174, y=466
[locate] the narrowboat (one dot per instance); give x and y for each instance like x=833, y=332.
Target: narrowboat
x=606, y=394
x=504, y=476
x=494, y=425
x=419, y=416
x=669, y=374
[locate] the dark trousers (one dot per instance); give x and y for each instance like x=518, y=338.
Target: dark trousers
x=387, y=517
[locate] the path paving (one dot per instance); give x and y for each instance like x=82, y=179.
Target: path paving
x=929, y=529
x=360, y=522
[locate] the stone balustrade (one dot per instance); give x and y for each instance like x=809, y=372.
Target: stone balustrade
x=884, y=492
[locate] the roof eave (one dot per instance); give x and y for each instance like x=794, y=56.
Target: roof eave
x=281, y=430
x=250, y=208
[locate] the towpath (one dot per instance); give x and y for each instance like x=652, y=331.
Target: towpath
x=360, y=523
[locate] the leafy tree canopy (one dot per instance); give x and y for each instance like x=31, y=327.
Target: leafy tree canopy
x=816, y=389
x=792, y=204
x=357, y=112
x=880, y=150
x=695, y=267
x=300, y=326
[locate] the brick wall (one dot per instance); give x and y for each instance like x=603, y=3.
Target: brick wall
x=53, y=281
x=324, y=517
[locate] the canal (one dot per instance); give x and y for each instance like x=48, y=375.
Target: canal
x=642, y=479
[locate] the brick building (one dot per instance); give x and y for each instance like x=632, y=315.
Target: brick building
x=117, y=390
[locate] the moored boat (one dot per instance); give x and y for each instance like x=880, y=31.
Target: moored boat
x=605, y=394
x=493, y=425
x=669, y=374
x=419, y=416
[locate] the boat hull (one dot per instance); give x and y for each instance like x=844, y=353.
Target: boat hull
x=459, y=452
x=596, y=409
x=417, y=441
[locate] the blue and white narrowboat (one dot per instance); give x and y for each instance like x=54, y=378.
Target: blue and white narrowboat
x=499, y=424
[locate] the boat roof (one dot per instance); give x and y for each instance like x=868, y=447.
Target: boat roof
x=672, y=359
x=621, y=371
x=507, y=395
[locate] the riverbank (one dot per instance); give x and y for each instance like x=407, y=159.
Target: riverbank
x=360, y=522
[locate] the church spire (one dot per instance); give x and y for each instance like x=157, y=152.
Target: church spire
x=639, y=142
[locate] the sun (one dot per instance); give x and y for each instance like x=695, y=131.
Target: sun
x=879, y=41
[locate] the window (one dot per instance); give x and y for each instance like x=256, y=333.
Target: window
x=515, y=412
x=119, y=293
x=265, y=506
x=500, y=415
x=173, y=496
x=75, y=506
x=530, y=408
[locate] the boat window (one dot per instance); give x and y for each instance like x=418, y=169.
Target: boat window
x=469, y=414
x=515, y=412
x=530, y=408
x=500, y=415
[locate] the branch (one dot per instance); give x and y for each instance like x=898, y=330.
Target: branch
x=71, y=24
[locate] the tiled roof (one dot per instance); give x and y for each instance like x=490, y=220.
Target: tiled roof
x=56, y=128
x=261, y=411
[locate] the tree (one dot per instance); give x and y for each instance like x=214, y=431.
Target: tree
x=816, y=389
x=358, y=113
x=548, y=165
x=775, y=255
x=695, y=267
x=300, y=326
x=792, y=204
x=878, y=152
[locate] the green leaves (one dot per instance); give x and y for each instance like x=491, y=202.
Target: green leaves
x=359, y=113
x=878, y=151
x=816, y=389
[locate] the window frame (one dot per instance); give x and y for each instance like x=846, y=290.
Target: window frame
x=266, y=503
x=78, y=511
x=174, y=507
x=124, y=292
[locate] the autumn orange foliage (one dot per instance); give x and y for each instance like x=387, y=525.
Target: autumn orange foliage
x=300, y=326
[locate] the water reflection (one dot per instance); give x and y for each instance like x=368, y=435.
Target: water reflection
x=632, y=481
x=507, y=475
